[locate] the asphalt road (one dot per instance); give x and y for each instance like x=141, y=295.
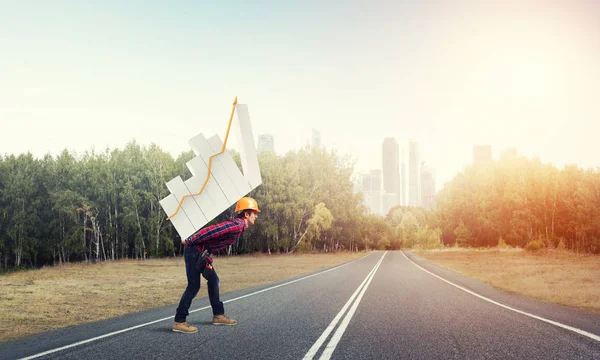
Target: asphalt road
x=387, y=305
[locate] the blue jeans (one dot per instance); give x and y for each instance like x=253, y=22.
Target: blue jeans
x=190, y=256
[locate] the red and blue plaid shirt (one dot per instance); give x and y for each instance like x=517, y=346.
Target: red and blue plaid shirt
x=217, y=237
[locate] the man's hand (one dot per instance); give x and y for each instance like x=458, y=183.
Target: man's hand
x=183, y=241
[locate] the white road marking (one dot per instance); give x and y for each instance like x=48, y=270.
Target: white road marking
x=567, y=327
x=51, y=351
x=317, y=345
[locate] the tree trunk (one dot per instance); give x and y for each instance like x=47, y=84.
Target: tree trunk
x=84, y=244
x=554, y=206
x=96, y=228
x=158, y=237
x=110, y=240
x=18, y=254
x=102, y=241
x=118, y=242
x=19, y=239
x=143, y=247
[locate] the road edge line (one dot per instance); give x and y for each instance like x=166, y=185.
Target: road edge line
x=552, y=322
x=69, y=346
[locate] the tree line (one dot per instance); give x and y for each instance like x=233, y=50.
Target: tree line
x=512, y=202
x=105, y=205
x=522, y=202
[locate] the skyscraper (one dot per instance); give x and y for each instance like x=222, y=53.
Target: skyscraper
x=357, y=183
x=390, y=157
x=265, y=143
x=371, y=188
x=427, y=187
x=376, y=191
x=482, y=154
x=414, y=174
x=316, y=139
x=403, y=180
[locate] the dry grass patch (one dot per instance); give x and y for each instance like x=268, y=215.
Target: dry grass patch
x=551, y=275
x=49, y=298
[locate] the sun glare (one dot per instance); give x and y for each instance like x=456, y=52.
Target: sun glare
x=525, y=80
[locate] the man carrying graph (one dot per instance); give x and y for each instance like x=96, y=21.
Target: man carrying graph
x=197, y=254
x=220, y=185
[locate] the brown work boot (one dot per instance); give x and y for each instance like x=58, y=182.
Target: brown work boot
x=184, y=327
x=223, y=320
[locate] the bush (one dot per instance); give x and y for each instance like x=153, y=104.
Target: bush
x=383, y=243
x=535, y=245
x=502, y=244
x=428, y=246
x=594, y=247
x=303, y=247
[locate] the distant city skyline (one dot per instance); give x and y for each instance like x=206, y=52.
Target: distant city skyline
x=384, y=187
x=379, y=183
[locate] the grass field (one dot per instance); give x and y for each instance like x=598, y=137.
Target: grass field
x=550, y=275
x=54, y=297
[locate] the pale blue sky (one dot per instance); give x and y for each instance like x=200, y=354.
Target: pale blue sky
x=451, y=74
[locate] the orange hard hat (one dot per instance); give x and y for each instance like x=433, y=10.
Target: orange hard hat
x=246, y=203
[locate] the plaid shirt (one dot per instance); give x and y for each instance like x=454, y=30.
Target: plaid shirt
x=217, y=237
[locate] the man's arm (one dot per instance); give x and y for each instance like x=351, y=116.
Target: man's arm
x=204, y=234
x=218, y=246
x=213, y=232
x=228, y=238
